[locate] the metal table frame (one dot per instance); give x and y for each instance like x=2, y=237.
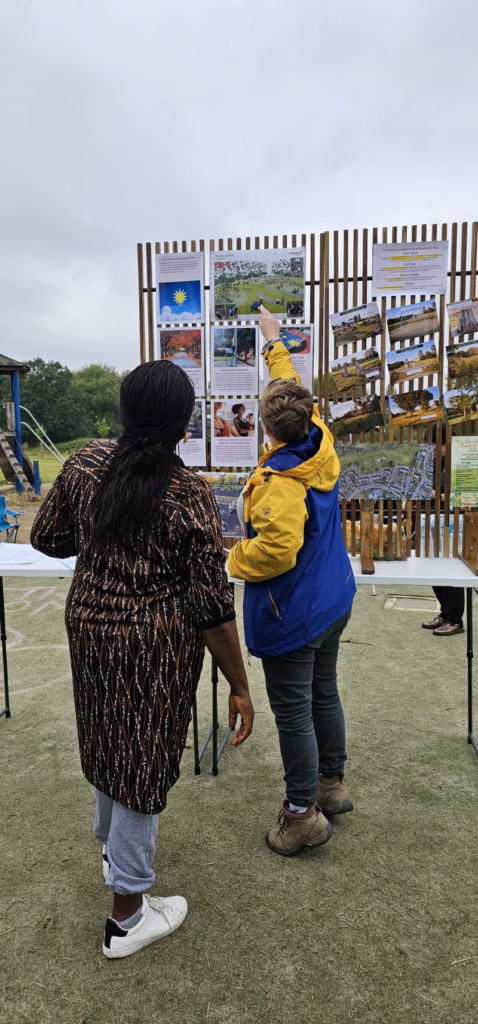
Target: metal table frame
x=412, y=572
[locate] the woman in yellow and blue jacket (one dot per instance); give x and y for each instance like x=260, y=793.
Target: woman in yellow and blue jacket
x=298, y=597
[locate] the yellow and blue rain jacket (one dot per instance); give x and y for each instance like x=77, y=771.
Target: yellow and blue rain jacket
x=299, y=579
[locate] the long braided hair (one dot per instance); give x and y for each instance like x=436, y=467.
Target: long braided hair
x=156, y=402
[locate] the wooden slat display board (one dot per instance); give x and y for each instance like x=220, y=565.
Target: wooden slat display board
x=339, y=277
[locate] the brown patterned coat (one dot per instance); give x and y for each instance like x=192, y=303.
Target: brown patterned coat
x=133, y=618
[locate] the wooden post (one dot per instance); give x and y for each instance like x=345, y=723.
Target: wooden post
x=366, y=537
x=470, y=540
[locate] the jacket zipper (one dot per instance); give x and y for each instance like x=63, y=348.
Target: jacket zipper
x=274, y=605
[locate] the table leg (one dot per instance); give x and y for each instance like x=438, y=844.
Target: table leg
x=3, y=636
x=197, y=766
x=215, y=723
x=469, y=655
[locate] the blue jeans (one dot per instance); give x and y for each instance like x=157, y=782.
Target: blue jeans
x=304, y=699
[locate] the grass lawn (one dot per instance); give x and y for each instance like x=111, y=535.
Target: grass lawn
x=376, y=927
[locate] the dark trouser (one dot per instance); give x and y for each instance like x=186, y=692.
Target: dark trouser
x=303, y=695
x=452, y=603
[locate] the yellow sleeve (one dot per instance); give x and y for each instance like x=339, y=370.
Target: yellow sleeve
x=278, y=516
x=279, y=363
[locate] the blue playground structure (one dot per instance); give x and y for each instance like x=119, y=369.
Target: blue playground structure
x=14, y=463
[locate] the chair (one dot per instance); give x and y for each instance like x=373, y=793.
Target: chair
x=10, y=528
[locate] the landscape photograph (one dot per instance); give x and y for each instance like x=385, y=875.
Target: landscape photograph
x=227, y=488
x=244, y=280
x=393, y=472
x=412, y=321
x=415, y=361
x=463, y=317
x=356, y=324
x=360, y=414
x=462, y=359
x=357, y=368
x=415, y=407
x=460, y=405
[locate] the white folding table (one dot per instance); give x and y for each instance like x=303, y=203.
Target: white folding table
x=417, y=572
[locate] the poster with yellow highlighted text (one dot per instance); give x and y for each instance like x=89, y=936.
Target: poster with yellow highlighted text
x=410, y=268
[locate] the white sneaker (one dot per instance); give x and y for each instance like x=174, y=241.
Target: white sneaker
x=106, y=864
x=159, y=918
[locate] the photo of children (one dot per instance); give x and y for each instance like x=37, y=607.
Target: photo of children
x=243, y=280
x=234, y=360
x=298, y=341
x=415, y=407
x=415, y=361
x=463, y=317
x=234, y=433
x=360, y=414
x=412, y=321
x=193, y=450
x=185, y=347
x=179, y=283
x=357, y=368
x=462, y=359
x=356, y=324
x=461, y=405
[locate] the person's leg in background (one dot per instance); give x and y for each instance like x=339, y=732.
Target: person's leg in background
x=136, y=920
x=289, y=688
x=452, y=606
x=329, y=722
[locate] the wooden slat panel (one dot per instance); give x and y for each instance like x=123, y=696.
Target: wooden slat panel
x=149, y=300
x=142, y=336
x=321, y=325
x=326, y=326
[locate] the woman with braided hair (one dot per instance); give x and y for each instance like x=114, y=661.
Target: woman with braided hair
x=298, y=597
x=149, y=592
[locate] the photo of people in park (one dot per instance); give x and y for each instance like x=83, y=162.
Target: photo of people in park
x=235, y=346
x=357, y=368
x=356, y=324
x=412, y=321
x=461, y=405
x=192, y=450
x=415, y=407
x=356, y=416
x=415, y=361
x=463, y=317
x=462, y=359
x=244, y=280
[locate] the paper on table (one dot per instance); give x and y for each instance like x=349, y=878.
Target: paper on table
x=18, y=554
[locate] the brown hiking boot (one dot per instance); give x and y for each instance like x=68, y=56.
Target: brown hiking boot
x=333, y=796
x=296, y=831
x=448, y=629
x=433, y=623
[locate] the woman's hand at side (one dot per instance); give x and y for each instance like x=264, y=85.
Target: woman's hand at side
x=223, y=643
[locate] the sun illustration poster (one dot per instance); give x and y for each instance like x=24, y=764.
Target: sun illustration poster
x=179, y=281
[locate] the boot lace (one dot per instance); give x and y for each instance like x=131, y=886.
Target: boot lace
x=283, y=822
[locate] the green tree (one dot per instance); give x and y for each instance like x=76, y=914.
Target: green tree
x=97, y=387
x=47, y=391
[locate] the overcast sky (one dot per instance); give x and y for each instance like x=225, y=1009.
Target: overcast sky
x=145, y=120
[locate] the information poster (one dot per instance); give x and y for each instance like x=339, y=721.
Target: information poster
x=234, y=433
x=234, y=369
x=464, y=472
x=226, y=488
x=246, y=279
x=410, y=267
x=179, y=287
x=184, y=346
x=193, y=451
x=298, y=340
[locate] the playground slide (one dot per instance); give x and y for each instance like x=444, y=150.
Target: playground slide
x=6, y=468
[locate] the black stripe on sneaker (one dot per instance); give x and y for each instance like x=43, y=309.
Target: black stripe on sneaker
x=113, y=928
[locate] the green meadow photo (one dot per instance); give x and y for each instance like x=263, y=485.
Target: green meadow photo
x=356, y=416
x=415, y=407
x=462, y=359
x=357, y=368
x=243, y=281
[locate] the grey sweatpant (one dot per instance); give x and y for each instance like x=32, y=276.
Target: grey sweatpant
x=130, y=839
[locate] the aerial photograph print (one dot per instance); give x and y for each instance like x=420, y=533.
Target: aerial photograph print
x=393, y=472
